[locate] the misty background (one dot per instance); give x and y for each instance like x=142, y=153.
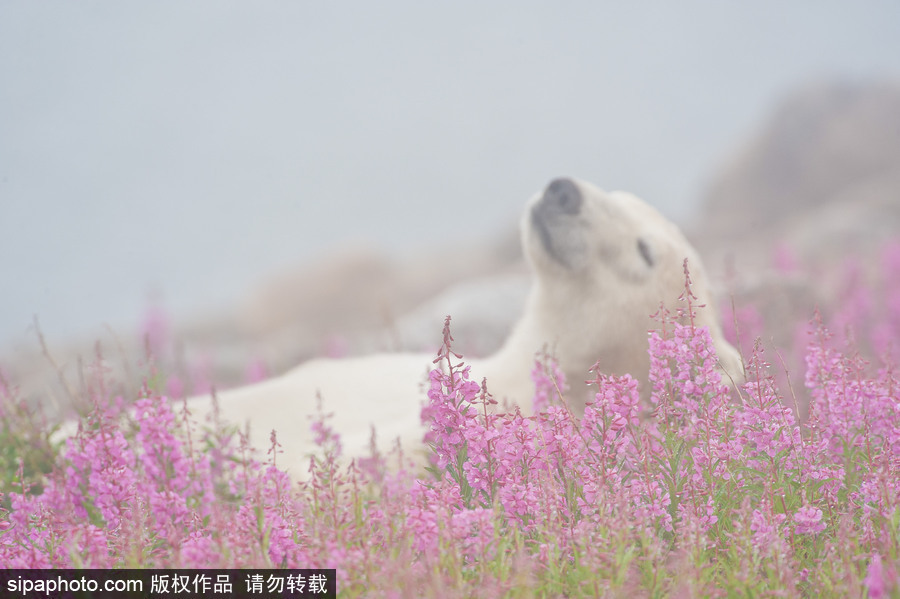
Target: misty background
x=180, y=153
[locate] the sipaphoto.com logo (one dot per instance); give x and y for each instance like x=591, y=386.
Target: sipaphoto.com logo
x=54, y=585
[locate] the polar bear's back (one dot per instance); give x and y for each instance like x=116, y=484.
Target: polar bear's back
x=385, y=391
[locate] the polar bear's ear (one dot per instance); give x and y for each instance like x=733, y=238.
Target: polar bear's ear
x=646, y=253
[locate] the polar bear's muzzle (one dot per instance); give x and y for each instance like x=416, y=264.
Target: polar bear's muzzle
x=553, y=217
x=561, y=196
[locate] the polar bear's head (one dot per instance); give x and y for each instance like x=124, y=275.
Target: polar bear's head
x=604, y=262
x=577, y=234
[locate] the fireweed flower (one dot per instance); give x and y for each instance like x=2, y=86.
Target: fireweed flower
x=549, y=382
x=808, y=520
x=449, y=412
x=324, y=436
x=767, y=527
x=100, y=467
x=880, y=580
x=165, y=462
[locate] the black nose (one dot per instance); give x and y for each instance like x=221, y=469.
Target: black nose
x=562, y=195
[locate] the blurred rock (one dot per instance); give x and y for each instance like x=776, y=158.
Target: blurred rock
x=822, y=176
x=483, y=311
x=817, y=187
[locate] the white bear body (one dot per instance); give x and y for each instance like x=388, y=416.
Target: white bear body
x=381, y=390
x=603, y=263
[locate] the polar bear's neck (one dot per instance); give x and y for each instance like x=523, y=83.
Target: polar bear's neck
x=576, y=344
x=508, y=371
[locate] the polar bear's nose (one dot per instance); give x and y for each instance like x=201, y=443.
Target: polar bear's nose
x=562, y=195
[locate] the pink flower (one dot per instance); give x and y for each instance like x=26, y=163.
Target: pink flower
x=767, y=528
x=784, y=258
x=808, y=520
x=256, y=371
x=875, y=579
x=155, y=330
x=549, y=382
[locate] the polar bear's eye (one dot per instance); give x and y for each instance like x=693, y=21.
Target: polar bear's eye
x=644, y=250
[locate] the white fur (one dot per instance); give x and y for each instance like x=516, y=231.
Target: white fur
x=590, y=301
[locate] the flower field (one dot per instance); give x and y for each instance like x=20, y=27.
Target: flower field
x=787, y=485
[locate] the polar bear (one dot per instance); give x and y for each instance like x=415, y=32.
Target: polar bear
x=602, y=263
